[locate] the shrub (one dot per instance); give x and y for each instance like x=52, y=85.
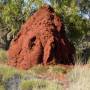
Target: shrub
x=32, y=84
x=39, y=84
x=7, y=72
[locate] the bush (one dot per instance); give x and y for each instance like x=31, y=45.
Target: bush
x=8, y=72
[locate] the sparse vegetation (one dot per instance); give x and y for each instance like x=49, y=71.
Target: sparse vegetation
x=57, y=69
x=39, y=69
x=37, y=84
x=27, y=80
x=7, y=72
x=79, y=78
x=2, y=87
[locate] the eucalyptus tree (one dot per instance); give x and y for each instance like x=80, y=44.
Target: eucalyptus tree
x=76, y=26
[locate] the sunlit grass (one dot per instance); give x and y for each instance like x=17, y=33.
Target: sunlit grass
x=54, y=69
x=2, y=87
x=28, y=79
x=3, y=56
x=7, y=72
x=38, y=69
x=57, y=69
x=79, y=78
x=38, y=84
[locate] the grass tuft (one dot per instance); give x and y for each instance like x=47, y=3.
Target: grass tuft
x=2, y=87
x=3, y=56
x=38, y=84
x=79, y=78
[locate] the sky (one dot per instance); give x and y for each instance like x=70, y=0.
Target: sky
x=47, y=1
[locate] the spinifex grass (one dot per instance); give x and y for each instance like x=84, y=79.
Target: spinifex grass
x=79, y=78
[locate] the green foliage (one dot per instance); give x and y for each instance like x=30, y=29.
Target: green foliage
x=38, y=3
x=27, y=85
x=76, y=26
x=11, y=18
x=31, y=84
x=30, y=6
x=7, y=72
x=12, y=15
x=38, y=84
x=84, y=6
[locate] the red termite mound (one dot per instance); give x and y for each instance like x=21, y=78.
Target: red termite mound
x=42, y=39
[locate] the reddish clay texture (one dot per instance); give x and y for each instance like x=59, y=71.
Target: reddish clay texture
x=41, y=39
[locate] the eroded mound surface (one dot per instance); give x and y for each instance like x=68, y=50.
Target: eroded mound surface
x=42, y=39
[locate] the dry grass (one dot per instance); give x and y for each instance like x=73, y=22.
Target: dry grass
x=38, y=84
x=79, y=78
x=3, y=56
x=27, y=79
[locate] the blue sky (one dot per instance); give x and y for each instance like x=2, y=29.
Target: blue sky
x=47, y=1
